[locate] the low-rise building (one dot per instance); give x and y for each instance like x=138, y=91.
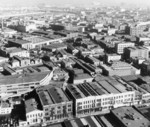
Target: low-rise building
x=33, y=114
x=60, y=75
x=13, y=51
x=93, y=60
x=24, y=62
x=72, y=49
x=20, y=43
x=81, y=78
x=82, y=122
x=8, y=32
x=25, y=27
x=3, y=60
x=120, y=69
x=94, y=98
x=5, y=108
x=20, y=84
x=54, y=47
x=129, y=117
x=67, y=34
x=56, y=105
x=67, y=63
x=112, y=57
x=32, y=42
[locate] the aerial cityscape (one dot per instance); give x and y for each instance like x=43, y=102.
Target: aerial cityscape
x=74, y=63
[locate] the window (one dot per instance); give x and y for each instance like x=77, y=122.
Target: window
x=59, y=112
x=69, y=110
x=47, y=119
x=46, y=109
x=69, y=105
x=98, y=99
x=46, y=114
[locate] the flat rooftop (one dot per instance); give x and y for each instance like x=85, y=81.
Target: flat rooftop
x=90, y=89
x=89, y=120
x=53, y=46
x=30, y=105
x=52, y=95
x=55, y=125
x=57, y=95
x=13, y=50
x=130, y=117
x=82, y=76
x=20, y=79
x=76, y=93
x=120, y=87
x=37, y=39
x=118, y=66
x=45, y=98
x=18, y=41
x=108, y=87
x=137, y=48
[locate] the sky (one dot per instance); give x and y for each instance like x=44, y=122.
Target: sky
x=72, y=2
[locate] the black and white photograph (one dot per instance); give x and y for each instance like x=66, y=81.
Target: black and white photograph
x=74, y=63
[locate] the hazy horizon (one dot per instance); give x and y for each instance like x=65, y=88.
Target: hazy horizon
x=72, y=2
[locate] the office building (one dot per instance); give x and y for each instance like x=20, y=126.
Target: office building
x=119, y=47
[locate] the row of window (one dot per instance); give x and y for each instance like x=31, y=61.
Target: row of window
x=57, y=112
x=148, y=96
x=59, y=107
x=55, y=117
x=35, y=115
x=106, y=99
